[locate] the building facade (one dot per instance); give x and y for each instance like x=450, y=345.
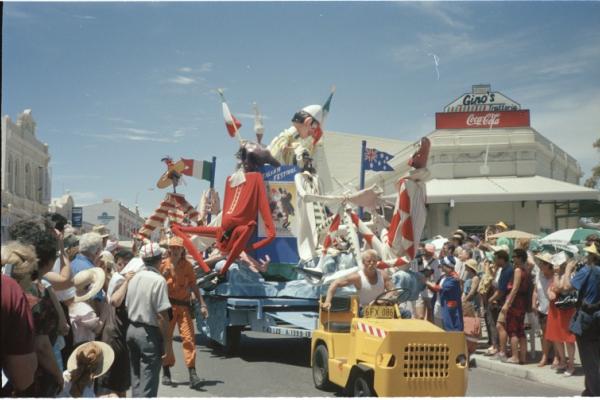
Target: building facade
x=25, y=175
x=487, y=164
x=120, y=220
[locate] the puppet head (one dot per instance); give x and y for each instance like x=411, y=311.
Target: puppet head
x=308, y=121
x=419, y=158
x=253, y=156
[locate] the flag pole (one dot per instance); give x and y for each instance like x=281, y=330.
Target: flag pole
x=212, y=185
x=362, y=172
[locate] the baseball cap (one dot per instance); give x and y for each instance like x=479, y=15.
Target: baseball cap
x=151, y=250
x=449, y=261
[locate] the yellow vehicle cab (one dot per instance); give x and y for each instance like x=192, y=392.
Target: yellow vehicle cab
x=380, y=354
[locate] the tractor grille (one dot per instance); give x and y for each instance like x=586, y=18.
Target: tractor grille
x=426, y=360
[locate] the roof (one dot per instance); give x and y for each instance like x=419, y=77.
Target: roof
x=510, y=188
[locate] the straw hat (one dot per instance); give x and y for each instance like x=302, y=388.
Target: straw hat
x=545, y=257
x=502, y=225
x=470, y=263
x=91, y=280
x=107, y=357
x=592, y=249
x=175, y=241
x=102, y=230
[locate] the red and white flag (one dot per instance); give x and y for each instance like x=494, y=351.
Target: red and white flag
x=231, y=122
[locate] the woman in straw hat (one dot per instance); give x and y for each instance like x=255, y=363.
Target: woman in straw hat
x=84, y=321
x=86, y=363
x=557, y=325
x=541, y=302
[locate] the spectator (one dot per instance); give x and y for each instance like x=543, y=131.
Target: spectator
x=147, y=302
x=18, y=359
x=118, y=378
x=181, y=283
x=486, y=290
x=463, y=255
x=557, y=326
x=541, y=302
x=514, y=308
x=470, y=293
x=449, y=293
x=45, y=311
x=504, y=275
x=88, y=361
x=586, y=324
x=432, y=271
x=85, y=323
x=104, y=233
x=90, y=247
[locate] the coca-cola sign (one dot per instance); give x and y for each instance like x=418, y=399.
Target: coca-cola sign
x=490, y=119
x=480, y=120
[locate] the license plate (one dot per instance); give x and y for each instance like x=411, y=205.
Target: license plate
x=380, y=312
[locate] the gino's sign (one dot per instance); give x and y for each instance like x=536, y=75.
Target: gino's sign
x=482, y=119
x=482, y=98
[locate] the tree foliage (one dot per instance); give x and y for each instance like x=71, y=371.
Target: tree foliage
x=594, y=180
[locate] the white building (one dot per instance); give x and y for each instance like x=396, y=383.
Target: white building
x=487, y=164
x=25, y=176
x=120, y=220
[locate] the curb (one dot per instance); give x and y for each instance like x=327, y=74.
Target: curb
x=575, y=383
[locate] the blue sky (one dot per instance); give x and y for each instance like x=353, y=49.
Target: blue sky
x=114, y=87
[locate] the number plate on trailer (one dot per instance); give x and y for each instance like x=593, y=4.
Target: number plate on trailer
x=380, y=312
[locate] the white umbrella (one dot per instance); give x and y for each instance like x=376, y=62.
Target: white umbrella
x=514, y=235
x=568, y=236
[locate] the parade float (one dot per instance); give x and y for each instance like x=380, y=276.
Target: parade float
x=267, y=258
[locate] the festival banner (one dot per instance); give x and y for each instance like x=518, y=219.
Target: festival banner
x=281, y=193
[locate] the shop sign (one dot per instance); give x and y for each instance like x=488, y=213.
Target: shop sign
x=482, y=119
x=490, y=101
x=105, y=218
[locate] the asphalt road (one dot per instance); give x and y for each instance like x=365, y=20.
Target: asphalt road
x=278, y=366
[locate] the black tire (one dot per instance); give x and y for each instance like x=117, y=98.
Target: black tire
x=362, y=386
x=233, y=337
x=320, y=367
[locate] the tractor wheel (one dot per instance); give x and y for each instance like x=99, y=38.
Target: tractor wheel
x=363, y=385
x=320, y=368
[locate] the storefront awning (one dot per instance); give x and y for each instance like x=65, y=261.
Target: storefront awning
x=494, y=189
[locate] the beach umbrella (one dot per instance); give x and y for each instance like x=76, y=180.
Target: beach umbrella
x=568, y=236
x=514, y=234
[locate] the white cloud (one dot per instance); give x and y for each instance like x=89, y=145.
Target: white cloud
x=84, y=16
x=182, y=80
x=205, y=67
x=581, y=58
x=122, y=120
x=137, y=131
x=249, y=116
x=118, y=137
x=448, y=13
x=185, y=69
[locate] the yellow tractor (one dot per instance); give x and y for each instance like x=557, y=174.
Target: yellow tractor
x=377, y=353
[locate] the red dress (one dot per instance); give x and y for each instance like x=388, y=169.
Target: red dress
x=515, y=316
x=557, y=324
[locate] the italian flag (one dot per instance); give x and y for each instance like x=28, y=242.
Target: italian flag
x=197, y=169
x=231, y=122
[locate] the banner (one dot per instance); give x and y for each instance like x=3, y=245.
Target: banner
x=77, y=217
x=281, y=192
x=482, y=120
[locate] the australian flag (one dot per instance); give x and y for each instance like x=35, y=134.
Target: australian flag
x=376, y=160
